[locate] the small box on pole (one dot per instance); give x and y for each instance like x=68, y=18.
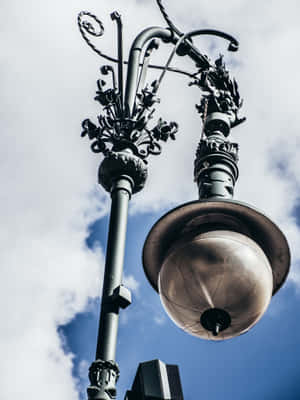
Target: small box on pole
x=156, y=380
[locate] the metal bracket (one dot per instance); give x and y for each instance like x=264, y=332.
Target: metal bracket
x=121, y=296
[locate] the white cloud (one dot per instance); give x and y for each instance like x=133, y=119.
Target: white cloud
x=131, y=283
x=159, y=319
x=124, y=318
x=82, y=373
x=48, y=173
x=83, y=369
x=48, y=199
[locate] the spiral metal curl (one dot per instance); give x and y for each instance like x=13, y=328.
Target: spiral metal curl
x=87, y=27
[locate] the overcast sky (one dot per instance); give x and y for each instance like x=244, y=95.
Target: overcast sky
x=54, y=215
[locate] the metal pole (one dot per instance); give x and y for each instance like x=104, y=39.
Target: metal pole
x=216, y=170
x=104, y=371
x=108, y=326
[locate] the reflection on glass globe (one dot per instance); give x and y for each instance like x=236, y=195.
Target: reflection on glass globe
x=215, y=285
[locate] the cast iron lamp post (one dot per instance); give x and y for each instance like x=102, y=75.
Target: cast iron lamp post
x=215, y=262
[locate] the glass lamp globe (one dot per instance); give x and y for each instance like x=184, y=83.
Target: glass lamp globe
x=216, y=285
x=216, y=264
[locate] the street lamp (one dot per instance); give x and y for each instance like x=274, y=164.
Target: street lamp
x=215, y=262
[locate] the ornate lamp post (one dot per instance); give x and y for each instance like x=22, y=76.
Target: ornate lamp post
x=215, y=262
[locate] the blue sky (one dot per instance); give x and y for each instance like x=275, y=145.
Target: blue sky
x=262, y=364
x=54, y=214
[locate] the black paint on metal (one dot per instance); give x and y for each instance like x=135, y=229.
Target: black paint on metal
x=156, y=380
x=115, y=16
x=104, y=371
x=134, y=62
x=108, y=326
x=215, y=320
x=103, y=376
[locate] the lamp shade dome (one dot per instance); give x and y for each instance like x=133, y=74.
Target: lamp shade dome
x=216, y=264
x=216, y=285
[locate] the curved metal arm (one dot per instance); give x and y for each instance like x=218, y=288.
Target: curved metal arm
x=134, y=62
x=87, y=27
x=153, y=45
x=167, y=35
x=233, y=46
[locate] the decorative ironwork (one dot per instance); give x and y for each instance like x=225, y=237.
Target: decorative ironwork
x=125, y=135
x=103, y=376
x=116, y=133
x=219, y=92
x=122, y=163
x=215, y=168
x=213, y=145
x=118, y=128
x=167, y=18
x=89, y=23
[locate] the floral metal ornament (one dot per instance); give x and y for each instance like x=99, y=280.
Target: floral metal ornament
x=120, y=127
x=219, y=92
x=117, y=130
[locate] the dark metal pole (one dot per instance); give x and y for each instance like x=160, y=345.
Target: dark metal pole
x=108, y=326
x=104, y=372
x=216, y=170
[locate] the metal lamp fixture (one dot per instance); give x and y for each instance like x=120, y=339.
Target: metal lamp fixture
x=215, y=262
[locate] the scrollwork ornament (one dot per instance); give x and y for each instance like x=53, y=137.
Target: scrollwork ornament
x=115, y=132
x=85, y=25
x=90, y=24
x=211, y=145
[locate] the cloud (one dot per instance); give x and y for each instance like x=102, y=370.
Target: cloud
x=49, y=194
x=159, y=320
x=82, y=373
x=48, y=199
x=131, y=283
x=48, y=174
